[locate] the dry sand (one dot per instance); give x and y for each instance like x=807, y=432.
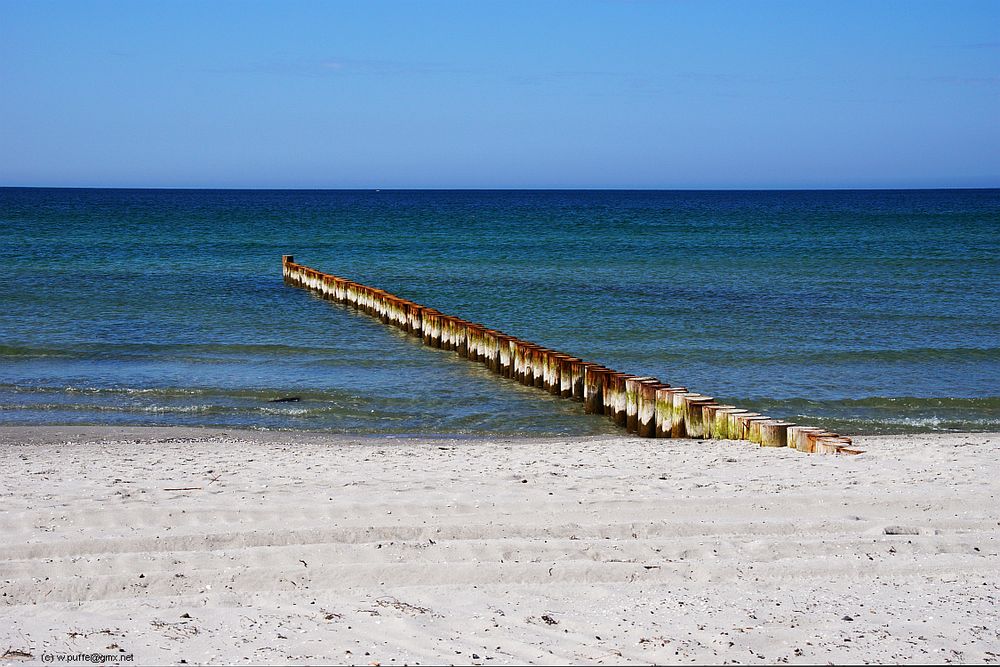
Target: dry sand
x=306, y=548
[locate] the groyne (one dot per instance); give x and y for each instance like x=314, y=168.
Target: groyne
x=642, y=405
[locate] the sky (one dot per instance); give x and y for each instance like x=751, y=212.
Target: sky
x=480, y=94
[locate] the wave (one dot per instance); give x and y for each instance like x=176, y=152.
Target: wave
x=899, y=403
x=649, y=354
x=250, y=394
x=340, y=411
x=886, y=414
x=90, y=351
x=330, y=355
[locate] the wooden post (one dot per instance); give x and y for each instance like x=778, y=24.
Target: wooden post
x=566, y=375
x=796, y=437
x=558, y=362
x=491, y=350
x=427, y=322
x=382, y=305
x=832, y=444
x=552, y=381
x=751, y=428
x=528, y=379
x=647, y=407
x=736, y=423
x=475, y=341
x=415, y=324
x=709, y=410
x=722, y=423
x=578, y=390
x=694, y=419
x=665, y=410
x=517, y=372
x=528, y=376
x=504, y=355
x=632, y=402
x=461, y=333
x=539, y=365
x=813, y=437
x=677, y=429
x=615, y=398
x=593, y=383
x=774, y=433
x=445, y=327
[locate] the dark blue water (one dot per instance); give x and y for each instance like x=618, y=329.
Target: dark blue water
x=868, y=311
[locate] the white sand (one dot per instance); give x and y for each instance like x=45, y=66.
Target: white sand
x=305, y=548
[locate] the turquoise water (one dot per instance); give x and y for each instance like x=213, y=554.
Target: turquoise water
x=867, y=311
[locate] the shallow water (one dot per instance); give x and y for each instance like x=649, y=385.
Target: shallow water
x=868, y=311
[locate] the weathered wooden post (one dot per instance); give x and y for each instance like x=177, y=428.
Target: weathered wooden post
x=474, y=332
x=665, y=410
x=382, y=305
x=678, y=409
x=813, y=437
x=694, y=419
x=593, y=376
x=647, y=407
x=615, y=399
x=539, y=365
x=403, y=315
x=461, y=333
x=611, y=401
x=489, y=350
x=836, y=445
x=444, y=327
x=518, y=363
x=566, y=375
x=739, y=425
x=709, y=411
x=482, y=353
x=486, y=348
x=533, y=374
x=751, y=428
x=721, y=423
x=796, y=437
x=632, y=402
x=555, y=372
x=774, y=433
x=428, y=316
x=496, y=346
x=414, y=317
x=528, y=376
x=578, y=378
x=504, y=355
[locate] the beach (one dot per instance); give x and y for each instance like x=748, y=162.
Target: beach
x=212, y=546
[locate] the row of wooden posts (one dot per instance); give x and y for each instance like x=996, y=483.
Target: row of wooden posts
x=642, y=405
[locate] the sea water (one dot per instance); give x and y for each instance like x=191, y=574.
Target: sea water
x=863, y=311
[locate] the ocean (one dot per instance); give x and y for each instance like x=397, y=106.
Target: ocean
x=864, y=311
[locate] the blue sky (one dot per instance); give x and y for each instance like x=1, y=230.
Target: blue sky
x=611, y=94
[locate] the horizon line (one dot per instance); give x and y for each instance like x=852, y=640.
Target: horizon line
x=501, y=189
